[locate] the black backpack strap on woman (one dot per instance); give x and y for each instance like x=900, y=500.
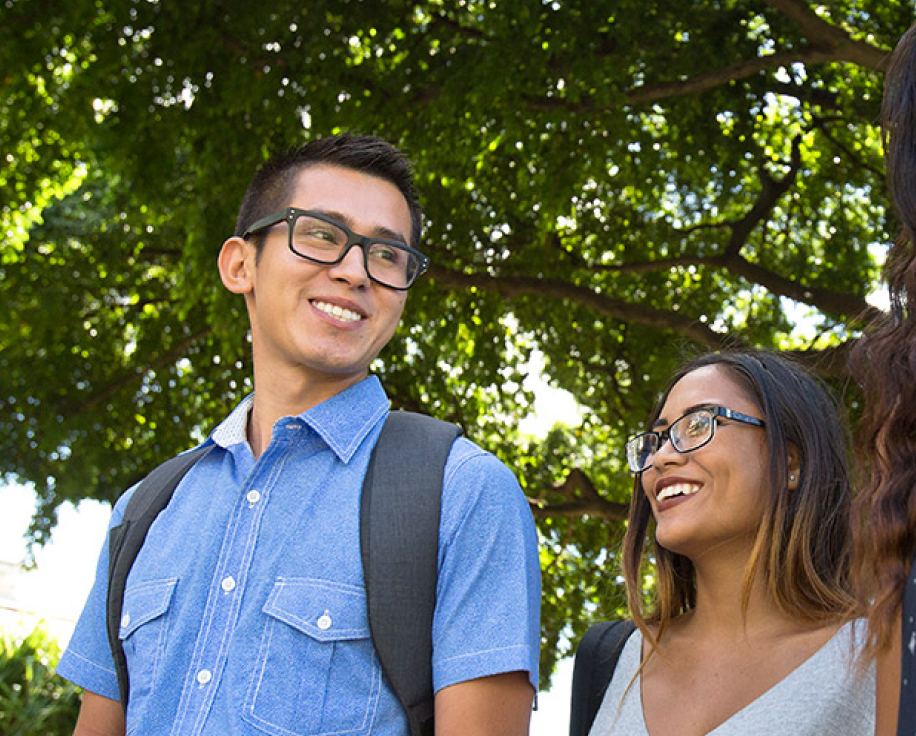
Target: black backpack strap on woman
x=596, y=659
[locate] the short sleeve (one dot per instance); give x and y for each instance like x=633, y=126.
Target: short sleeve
x=87, y=660
x=487, y=618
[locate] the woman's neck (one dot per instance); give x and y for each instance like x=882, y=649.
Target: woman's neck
x=730, y=608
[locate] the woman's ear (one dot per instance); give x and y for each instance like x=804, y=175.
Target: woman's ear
x=236, y=264
x=794, y=469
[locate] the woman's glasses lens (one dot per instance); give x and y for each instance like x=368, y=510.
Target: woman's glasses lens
x=687, y=433
x=640, y=450
x=692, y=430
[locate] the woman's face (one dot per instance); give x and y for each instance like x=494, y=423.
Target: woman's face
x=711, y=499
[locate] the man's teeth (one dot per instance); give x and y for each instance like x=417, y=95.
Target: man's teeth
x=678, y=489
x=347, y=315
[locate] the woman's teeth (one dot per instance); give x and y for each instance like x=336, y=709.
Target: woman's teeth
x=677, y=489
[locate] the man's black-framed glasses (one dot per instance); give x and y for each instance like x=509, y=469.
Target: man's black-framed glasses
x=688, y=433
x=321, y=239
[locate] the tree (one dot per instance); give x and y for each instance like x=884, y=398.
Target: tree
x=610, y=186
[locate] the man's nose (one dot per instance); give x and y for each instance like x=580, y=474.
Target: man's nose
x=352, y=267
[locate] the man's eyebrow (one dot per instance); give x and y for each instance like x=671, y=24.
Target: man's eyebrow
x=378, y=232
x=662, y=422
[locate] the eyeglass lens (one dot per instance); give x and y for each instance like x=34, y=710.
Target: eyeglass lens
x=323, y=242
x=687, y=433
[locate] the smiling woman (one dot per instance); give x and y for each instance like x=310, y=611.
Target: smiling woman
x=741, y=500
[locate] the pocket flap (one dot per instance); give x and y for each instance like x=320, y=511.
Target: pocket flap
x=324, y=610
x=144, y=602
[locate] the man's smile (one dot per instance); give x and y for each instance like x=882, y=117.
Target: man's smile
x=341, y=313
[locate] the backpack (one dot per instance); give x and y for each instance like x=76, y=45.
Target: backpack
x=906, y=713
x=596, y=658
x=399, y=533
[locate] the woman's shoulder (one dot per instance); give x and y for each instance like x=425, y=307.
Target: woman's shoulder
x=853, y=633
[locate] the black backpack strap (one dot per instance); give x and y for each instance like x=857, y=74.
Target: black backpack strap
x=596, y=659
x=126, y=539
x=906, y=715
x=399, y=541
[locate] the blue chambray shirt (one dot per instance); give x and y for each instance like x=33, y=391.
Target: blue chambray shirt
x=245, y=611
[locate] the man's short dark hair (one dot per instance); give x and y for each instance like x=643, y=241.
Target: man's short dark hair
x=272, y=186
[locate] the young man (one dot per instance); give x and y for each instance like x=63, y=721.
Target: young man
x=245, y=610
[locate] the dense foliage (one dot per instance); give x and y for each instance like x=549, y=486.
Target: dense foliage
x=34, y=701
x=610, y=184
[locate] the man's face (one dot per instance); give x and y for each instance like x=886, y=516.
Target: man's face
x=326, y=322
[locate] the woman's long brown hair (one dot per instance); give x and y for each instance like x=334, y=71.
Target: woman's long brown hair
x=884, y=364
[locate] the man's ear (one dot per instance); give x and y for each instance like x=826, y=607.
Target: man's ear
x=794, y=469
x=236, y=264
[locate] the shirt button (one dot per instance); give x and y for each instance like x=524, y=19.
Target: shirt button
x=204, y=676
x=125, y=620
x=228, y=584
x=324, y=622
x=253, y=497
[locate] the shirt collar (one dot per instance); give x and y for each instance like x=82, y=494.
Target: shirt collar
x=234, y=428
x=343, y=421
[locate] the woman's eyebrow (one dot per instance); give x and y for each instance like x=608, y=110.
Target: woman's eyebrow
x=662, y=422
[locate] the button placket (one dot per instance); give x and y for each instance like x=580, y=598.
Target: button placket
x=222, y=611
x=223, y=606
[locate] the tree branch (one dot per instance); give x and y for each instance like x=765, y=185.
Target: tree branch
x=152, y=253
x=771, y=190
x=520, y=286
x=826, y=43
x=822, y=125
x=830, y=302
x=453, y=25
x=652, y=93
x=584, y=500
x=829, y=362
x=132, y=376
x=837, y=41
x=662, y=264
x=827, y=301
x=597, y=508
x=718, y=77
x=818, y=97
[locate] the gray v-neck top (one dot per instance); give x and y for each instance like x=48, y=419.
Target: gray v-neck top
x=823, y=695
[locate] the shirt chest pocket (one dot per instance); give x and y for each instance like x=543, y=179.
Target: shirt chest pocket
x=317, y=671
x=144, y=635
